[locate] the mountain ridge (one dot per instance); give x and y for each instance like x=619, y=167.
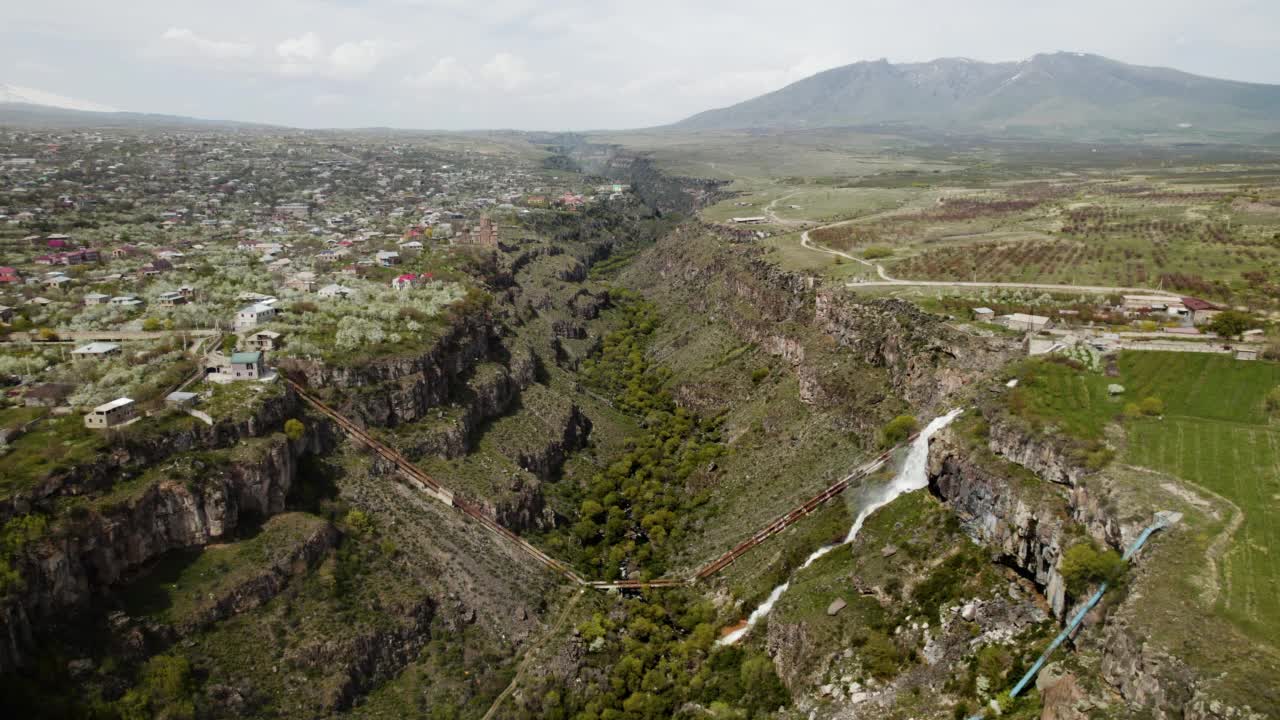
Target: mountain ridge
x=1062, y=92
x=21, y=95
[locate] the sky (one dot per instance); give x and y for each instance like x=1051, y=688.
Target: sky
x=565, y=64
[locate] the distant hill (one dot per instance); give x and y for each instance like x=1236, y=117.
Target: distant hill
x=17, y=94
x=1053, y=94
x=29, y=107
x=41, y=116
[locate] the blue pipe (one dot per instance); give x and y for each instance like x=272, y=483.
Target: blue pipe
x=1162, y=520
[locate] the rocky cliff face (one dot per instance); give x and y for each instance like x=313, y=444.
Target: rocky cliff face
x=991, y=488
x=927, y=359
x=100, y=546
x=482, y=397
x=131, y=452
x=1027, y=528
x=782, y=311
x=392, y=390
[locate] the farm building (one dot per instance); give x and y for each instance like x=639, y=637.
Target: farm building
x=1023, y=321
x=751, y=220
x=1139, y=304
x=1200, y=310
x=983, y=314
x=95, y=350
x=112, y=414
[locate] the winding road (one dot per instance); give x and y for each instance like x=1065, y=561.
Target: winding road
x=886, y=280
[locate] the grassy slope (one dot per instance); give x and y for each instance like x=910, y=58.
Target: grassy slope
x=1215, y=433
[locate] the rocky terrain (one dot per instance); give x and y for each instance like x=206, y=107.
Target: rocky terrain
x=295, y=576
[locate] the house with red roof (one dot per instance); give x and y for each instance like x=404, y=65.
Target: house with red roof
x=407, y=281
x=1201, y=311
x=10, y=275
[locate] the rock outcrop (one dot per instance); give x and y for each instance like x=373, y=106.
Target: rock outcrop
x=132, y=452
x=99, y=547
x=397, y=389
x=927, y=359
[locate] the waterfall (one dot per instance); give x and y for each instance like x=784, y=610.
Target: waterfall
x=913, y=475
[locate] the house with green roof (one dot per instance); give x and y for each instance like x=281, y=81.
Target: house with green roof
x=246, y=365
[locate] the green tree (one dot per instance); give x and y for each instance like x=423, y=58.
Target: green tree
x=1084, y=565
x=898, y=430
x=165, y=691
x=1152, y=406
x=1231, y=323
x=359, y=521
x=151, y=324
x=294, y=429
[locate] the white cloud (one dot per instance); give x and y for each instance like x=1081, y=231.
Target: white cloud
x=304, y=47
x=506, y=71
x=356, y=59
x=447, y=73
x=185, y=42
x=485, y=64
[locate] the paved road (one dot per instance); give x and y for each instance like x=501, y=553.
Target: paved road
x=886, y=280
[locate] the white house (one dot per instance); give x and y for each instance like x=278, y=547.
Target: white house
x=112, y=414
x=96, y=350
x=253, y=316
x=388, y=258
x=335, y=291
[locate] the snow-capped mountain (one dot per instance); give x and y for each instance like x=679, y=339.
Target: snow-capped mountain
x=31, y=96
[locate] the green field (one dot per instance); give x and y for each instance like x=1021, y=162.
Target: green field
x=1215, y=432
x=1200, y=385
x=1240, y=462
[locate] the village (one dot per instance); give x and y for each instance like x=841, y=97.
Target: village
x=148, y=274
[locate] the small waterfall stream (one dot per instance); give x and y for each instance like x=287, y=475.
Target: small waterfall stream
x=913, y=475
